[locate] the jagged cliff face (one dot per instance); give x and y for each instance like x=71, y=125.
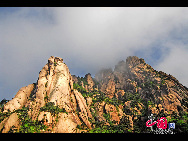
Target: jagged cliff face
x=118, y=100
x=135, y=76
x=55, y=86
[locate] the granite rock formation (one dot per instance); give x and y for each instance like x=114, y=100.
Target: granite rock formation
x=118, y=100
x=55, y=86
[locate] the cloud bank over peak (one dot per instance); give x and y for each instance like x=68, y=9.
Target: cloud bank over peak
x=89, y=39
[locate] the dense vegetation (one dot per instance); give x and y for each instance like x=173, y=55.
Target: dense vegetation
x=27, y=125
x=139, y=120
x=137, y=102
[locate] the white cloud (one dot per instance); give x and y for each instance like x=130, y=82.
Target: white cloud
x=175, y=62
x=86, y=38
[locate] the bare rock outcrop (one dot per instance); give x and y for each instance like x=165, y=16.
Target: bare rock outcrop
x=89, y=81
x=125, y=95
x=84, y=110
x=54, y=85
x=65, y=124
x=136, y=77
x=99, y=108
x=111, y=109
x=9, y=122
x=20, y=98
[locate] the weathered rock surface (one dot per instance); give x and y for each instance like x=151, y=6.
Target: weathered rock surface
x=20, y=99
x=54, y=85
x=84, y=110
x=10, y=121
x=130, y=92
x=135, y=76
x=111, y=109
x=65, y=124
x=89, y=81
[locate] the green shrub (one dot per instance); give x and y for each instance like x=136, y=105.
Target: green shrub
x=4, y=115
x=55, y=63
x=27, y=124
x=79, y=88
x=54, y=110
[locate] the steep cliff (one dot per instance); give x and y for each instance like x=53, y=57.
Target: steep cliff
x=136, y=77
x=53, y=91
x=118, y=100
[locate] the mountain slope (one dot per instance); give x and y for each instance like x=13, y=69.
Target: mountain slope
x=52, y=100
x=118, y=100
x=135, y=76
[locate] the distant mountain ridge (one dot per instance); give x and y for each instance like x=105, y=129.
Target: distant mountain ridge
x=118, y=100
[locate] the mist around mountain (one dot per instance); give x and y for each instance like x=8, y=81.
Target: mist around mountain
x=116, y=100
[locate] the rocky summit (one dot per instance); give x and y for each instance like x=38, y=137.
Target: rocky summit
x=114, y=101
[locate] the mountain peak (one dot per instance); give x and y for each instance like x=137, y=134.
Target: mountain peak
x=134, y=60
x=124, y=97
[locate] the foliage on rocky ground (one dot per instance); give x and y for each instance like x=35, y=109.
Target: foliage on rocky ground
x=115, y=101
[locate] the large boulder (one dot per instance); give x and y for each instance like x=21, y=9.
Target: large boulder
x=9, y=122
x=20, y=99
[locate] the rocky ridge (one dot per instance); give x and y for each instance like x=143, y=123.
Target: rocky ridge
x=118, y=100
x=55, y=86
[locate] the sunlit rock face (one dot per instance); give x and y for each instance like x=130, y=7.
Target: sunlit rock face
x=122, y=97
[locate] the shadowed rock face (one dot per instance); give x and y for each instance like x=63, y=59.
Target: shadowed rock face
x=129, y=93
x=135, y=76
x=89, y=81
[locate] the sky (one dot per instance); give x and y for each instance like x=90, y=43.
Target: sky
x=88, y=39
